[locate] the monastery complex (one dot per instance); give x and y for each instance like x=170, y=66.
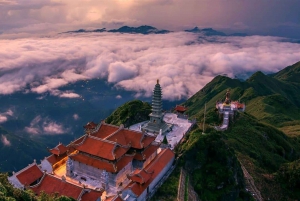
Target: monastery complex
x=109, y=162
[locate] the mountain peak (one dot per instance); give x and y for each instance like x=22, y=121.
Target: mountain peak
x=144, y=29
x=206, y=31
x=289, y=74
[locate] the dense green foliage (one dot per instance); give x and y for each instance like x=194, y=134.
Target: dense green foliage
x=262, y=149
x=130, y=113
x=214, y=169
x=168, y=191
x=289, y=178
x=9, y=193
x=165, y=141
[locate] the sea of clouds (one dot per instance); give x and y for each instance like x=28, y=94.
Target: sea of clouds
x=183, y=62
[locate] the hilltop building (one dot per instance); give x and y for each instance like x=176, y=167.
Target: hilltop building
x=106, y=163
x=156, y=124
x=227, y=110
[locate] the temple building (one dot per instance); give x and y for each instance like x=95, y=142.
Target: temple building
x=106, y=163
x=227, y=108
x=156, y=124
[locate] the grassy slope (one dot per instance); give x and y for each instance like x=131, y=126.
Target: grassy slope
x=263, y=150
x=271, y=100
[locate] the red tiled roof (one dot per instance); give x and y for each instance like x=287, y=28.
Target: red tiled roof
x=51, y=184
x=91, y=196
x=102, y=164
x=59, y=149
x=147, y=140
x=78, y=141
x=155, y=167
x=180, y=108
x=140, y=176
x=150, y=150
x=52, y=159
x=123, y=162
x=146, y=153
x=105, y=130
x=119, y=137
x=125, y=136
x=90, y=125
x=101, y=148
x=29, y=175
x=139, y=156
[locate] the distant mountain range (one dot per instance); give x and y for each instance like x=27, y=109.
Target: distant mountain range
x=126, y=29
x=145, y=29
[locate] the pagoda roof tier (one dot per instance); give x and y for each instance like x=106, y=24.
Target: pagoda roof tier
x=109, y=166
x=60, y=149
x=101, y=148
x=155, y=167
x=29, y=174
x=155, y=115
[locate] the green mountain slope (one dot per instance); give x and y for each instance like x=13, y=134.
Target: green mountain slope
x=289, y=74
x=270, y=99
x=130, y=113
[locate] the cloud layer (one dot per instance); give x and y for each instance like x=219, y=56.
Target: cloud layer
x=183, y=62
x=41, y=125
x=5, y=141
x=4, y=116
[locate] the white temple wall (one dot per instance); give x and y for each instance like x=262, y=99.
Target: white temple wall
x=15, y=182
x=81, y=168
x=45, y=165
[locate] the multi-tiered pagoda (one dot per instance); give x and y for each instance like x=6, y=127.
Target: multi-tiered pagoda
x=156, y=123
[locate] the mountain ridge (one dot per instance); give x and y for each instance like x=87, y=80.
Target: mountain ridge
x=146, y=29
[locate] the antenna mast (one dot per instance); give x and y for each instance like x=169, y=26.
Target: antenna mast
x=204, y=117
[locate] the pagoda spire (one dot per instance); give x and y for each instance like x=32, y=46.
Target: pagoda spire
x=156, y=122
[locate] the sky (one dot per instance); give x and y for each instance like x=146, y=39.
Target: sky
x=35, y=58
x=267, y=17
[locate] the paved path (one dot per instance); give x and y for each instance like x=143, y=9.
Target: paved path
x=225, y=123
x=250, y=186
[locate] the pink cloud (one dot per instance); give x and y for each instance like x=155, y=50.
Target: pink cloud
x=183, y=62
